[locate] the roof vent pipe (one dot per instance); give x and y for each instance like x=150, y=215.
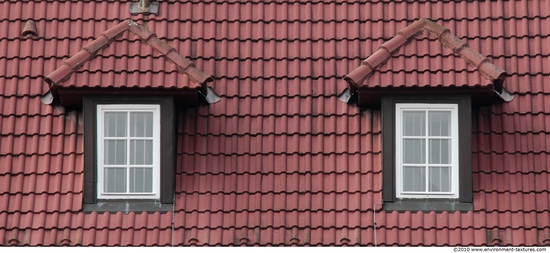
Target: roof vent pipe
x=144, y=7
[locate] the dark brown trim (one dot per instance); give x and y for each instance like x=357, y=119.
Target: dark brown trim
x=464, y=202
x=388, y=150
x=74, y=97
x=465, y=143
x=167, y=150
x=371, y=97
x=168, y=129
x=89, y=151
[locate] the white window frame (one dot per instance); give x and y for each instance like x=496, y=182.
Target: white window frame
x=454, y=164
x=101, y=110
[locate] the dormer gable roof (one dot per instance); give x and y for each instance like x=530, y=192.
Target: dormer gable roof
x=191, y=77
x=364, y=77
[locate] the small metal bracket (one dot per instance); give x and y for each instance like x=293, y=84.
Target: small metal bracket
x=505, y=95
x=211, y=96
x=347, y=97
x=144, y=7
x=47, y=98
x=344, y=96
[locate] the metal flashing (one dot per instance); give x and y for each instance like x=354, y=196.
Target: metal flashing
x=505, y=95
x=346, y=95
x=211, y=96
x=144, y=7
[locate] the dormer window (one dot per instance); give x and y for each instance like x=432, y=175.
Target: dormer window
x=129, y=123
x=427, y=152
x=426, y=155
x=426, y=118
x=128, y=151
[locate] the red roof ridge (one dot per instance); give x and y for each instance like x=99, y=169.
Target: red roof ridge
x=487, y=69
x=90, y=50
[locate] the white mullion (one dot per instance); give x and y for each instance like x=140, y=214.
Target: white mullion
x=415, y=165
x=414, y=137
x=128, y=155
x=427, y=150
x=102, y=137
x=103, y=168
x=427, y=164
x=130, y=139
x=440, y=138
x=114, y=138
x=141, y=138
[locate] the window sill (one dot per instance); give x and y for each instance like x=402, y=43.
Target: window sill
x=428, y=205
x=127, y=206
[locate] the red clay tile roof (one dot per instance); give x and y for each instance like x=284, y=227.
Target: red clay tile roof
x=363, y=75
x=279, y=160
x=60, y=76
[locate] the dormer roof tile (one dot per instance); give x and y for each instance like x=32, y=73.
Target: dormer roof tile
x=360, y=77
x=196, y=79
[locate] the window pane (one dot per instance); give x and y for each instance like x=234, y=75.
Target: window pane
x=141, y=152
x=414, y=123
x=414, y=151
x=440, y=179
x=414, y=179
x=440, y=151
x=439, y=123
x=115, y=124
x=114, y=180
x=141, y=180
x=114, y=152
x=141, y=124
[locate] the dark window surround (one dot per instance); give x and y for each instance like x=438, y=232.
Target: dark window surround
x=167, y=151
x=464, y=202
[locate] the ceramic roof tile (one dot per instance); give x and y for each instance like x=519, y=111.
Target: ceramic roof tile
x=29, y=29
x=279, y=160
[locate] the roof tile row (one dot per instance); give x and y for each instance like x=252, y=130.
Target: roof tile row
x=281, y=11
x=304, y=201
x=278, y=236
x=475, y=32
x=352, y=49
x=404, y=71
x=320, y=219
x=513, y=163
